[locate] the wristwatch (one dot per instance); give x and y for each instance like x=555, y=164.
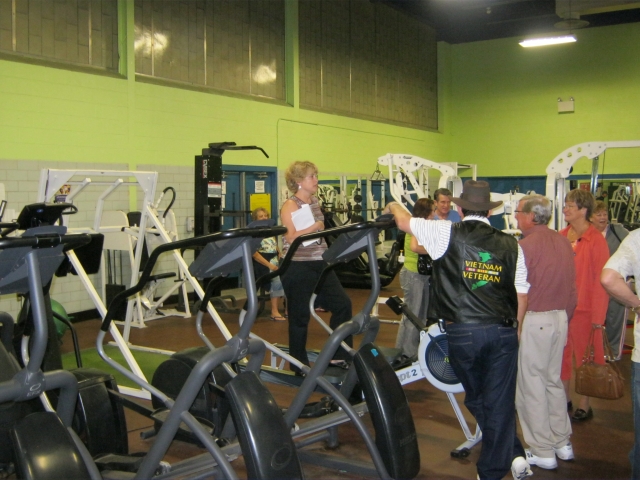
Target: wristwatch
x=636, y=309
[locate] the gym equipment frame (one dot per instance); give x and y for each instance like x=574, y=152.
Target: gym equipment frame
x=560, y=168
x=51, y=180
x=409, y=177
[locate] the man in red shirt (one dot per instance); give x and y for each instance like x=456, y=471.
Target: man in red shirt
x=540, y=396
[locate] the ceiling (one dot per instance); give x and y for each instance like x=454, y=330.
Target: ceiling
x=461, y=21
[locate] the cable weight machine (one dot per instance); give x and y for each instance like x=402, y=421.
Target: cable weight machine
x=208, y=186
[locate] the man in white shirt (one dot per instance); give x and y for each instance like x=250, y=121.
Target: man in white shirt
x=622, y=264
x=479, y=290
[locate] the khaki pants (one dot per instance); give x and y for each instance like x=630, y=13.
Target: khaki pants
x=540, y=398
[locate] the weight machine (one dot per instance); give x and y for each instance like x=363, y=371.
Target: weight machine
x=375, y=206
x=409, y=177
x=508, y=208
x=151, y=306
x=560, y=168
x=632, y=214
x=208, y=186
x=618, y=203
x=328, y=196
x=51, y=180
x=336, y=200
x=354, y=203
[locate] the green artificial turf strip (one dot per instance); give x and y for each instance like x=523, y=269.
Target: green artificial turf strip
x=148, y=362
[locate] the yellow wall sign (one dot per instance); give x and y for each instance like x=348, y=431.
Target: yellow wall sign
x=260, y=200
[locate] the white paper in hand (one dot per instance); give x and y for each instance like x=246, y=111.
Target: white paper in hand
x=303, y=218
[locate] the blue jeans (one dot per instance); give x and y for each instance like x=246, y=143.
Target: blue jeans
x=485, y=360
x=277, y=289
x=634, y=454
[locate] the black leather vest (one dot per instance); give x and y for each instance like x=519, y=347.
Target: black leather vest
x=473, y=281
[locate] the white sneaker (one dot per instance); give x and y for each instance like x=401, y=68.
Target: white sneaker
x=548, y=463
x=520, y=468
x=564, y=453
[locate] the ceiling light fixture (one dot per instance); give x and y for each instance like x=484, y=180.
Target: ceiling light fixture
x=540, y=42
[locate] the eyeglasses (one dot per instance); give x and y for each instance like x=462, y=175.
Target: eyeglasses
x=569, y=205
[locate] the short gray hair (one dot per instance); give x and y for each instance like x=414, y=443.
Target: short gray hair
x=540, y=206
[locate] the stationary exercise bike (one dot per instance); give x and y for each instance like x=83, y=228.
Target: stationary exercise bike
x=433, y=364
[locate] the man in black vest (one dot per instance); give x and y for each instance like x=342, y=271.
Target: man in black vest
x=479, y=292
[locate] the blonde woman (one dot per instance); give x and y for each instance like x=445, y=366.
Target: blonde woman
x=307, y=265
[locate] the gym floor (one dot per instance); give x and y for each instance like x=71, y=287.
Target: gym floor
x=601, y=445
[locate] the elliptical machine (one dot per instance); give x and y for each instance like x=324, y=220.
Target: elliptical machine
x=97, y=418
x=57, y=451
x=395, y=452
x=253, y=407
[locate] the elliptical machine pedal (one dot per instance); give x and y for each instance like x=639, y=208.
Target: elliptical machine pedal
x=211, y=407
x=390, y=412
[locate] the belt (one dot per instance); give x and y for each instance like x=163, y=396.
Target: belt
x=506, y=322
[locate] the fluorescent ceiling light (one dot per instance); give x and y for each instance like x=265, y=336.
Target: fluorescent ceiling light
x=540, y=42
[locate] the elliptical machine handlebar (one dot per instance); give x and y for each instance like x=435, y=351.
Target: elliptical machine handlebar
x=383, y=222
x=202, y=241
x=45, y=241
x=7, y=227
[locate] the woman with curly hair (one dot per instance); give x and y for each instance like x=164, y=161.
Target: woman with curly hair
x=307, y=265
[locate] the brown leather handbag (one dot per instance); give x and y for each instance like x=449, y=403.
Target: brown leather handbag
x=600, y=381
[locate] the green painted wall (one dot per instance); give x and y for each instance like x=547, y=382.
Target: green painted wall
x=57, y=114
x=497, y=107
x=504, y=101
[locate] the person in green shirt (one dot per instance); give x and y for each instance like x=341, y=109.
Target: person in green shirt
x=415, y=286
